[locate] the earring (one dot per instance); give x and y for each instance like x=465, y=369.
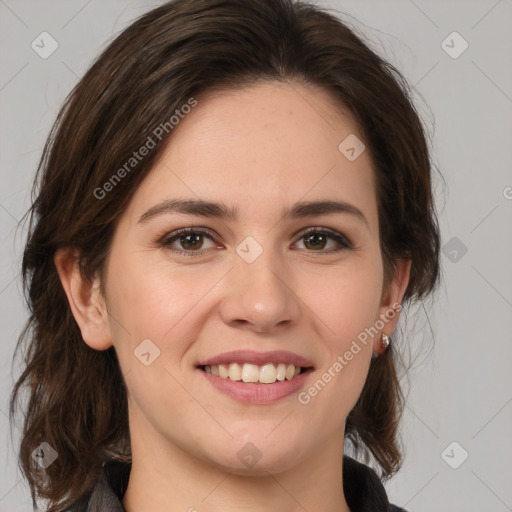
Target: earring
x=386, y=340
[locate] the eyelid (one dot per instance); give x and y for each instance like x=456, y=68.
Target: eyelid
x=341, y=238
x=165, y=241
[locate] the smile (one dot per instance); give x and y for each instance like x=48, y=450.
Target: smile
x=254, y=377
x=247, y=372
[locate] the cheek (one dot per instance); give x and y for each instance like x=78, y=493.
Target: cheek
x=152, y=298
x=149, y=302
x=160, y=301
x=346, y=303
x=346, y=299
x=146, y=302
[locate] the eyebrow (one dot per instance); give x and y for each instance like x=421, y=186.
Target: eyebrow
x=211, y=209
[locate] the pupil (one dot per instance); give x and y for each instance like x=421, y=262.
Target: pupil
x=316, y=237
x=316, y=240
x=197, y=237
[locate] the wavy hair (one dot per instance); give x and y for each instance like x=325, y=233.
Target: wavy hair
x=76, y=395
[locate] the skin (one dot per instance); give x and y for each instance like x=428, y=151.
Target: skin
x=259, y=149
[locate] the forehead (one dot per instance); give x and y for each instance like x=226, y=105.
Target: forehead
x=260, y=146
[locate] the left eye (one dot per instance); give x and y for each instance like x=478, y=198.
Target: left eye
x=191, y=240
x=317, y=237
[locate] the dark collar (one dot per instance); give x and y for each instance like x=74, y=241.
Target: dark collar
x=364, y=491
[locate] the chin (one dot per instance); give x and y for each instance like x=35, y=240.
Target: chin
x=257, y=457
x=272, y=464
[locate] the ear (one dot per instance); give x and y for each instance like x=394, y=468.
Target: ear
x=85, y=300
x=391, y=301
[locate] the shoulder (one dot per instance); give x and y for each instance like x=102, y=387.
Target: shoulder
x=104, y=498
x=363, y=489
x=108, y=491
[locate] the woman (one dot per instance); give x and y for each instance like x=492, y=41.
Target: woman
x=234, y=206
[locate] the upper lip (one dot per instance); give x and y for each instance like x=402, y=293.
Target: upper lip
x=258, y=358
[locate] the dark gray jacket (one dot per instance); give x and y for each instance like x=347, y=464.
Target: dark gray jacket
x=364, y=491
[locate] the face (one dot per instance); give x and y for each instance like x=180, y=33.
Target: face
x=286, y=288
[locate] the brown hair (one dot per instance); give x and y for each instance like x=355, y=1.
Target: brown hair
x=77, y=396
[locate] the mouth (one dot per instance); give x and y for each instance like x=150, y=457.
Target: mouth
x=268, y=373
x=254, y=377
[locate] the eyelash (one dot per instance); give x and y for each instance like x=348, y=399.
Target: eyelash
x=169, y=238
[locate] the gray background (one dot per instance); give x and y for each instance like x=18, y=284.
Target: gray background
x=460, y=384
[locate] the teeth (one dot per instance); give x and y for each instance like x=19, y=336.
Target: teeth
x=281, y=371
x=224, y=371
x=235, y=372
x=266, y=374
x=250, y=373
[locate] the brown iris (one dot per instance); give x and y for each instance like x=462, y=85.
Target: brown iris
x=196, y=241
x=318, y=238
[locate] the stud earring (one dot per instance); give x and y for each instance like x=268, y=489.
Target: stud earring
x=386, y=340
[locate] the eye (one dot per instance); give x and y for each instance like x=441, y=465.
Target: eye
x=316, y=238
x=190, y=239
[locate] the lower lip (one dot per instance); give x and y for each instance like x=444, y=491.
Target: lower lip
x=255, y=393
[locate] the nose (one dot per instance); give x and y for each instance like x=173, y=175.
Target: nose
x=259, y=296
